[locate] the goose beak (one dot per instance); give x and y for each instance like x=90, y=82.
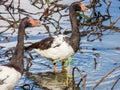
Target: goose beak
x=35, y=22
x=84, y=8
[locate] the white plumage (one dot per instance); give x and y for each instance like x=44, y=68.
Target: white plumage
x=59, y=49
x=8, y=78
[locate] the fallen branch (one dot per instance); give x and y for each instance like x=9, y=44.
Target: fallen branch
x=105, y=76
x=115, y=83
x=83, y=78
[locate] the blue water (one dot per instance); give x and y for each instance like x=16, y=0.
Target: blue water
x=107, y=50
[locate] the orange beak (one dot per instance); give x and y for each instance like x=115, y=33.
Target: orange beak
x=35, y=22
x=84, y=8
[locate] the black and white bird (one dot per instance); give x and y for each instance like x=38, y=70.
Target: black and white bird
x=60, y=47
x=11, y=72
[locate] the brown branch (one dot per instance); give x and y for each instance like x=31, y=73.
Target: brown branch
x=115, y=83
x=115, y=21
x=4, y=19
x=105, y=76
x=29, y=64
x=5, y=30
x=83, y=78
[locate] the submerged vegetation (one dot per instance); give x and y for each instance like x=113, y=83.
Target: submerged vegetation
x=94, y=25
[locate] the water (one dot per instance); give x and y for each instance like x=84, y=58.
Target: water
x=107, y=51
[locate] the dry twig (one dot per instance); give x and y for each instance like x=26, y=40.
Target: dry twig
x=105, y=76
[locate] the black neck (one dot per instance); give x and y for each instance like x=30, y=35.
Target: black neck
x=73, y=20
x=75, y=37
x=18, y=55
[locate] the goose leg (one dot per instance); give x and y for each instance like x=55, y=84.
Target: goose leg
x=67, y=75
x=68, y=71
x=63, y=66
x=54, y=67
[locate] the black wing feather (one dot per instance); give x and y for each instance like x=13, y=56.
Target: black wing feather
x=43, y=44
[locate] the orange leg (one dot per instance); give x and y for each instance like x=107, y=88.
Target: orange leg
x=67, y=76
x=67, y=80
x=54, y=68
